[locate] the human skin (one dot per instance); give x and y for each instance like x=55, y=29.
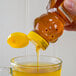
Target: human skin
x=70, y=5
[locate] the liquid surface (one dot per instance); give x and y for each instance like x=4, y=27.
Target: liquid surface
x=40, y=71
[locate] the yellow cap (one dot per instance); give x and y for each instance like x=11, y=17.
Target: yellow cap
x=18, y=40
x=38, y=40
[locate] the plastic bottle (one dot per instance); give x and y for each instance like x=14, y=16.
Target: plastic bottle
x=50, y=26
x=47, y=28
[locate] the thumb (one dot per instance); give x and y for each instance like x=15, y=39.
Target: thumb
x=70, y=5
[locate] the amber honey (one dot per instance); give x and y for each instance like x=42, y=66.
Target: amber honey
x=34, y=73
x=49, y=71
x=49, y=26
x=37, y=68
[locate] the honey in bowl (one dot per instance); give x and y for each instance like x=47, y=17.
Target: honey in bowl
x=27, y=66
x=47, y=28
x=36, y=71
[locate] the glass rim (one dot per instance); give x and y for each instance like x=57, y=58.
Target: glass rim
x=13, y=62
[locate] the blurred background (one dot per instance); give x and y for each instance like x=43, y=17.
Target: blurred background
x=18, y=16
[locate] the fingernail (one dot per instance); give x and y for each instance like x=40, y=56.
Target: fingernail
x=69, y=4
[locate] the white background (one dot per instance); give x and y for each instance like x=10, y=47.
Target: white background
x=13, y=19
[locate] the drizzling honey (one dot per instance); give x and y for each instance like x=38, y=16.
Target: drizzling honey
x=47, y=28
x=37, y=52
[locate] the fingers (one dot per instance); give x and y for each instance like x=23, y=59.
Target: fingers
x=70, y=5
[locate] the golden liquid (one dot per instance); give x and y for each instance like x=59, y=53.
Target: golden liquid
x=37, y=52
x=49, y=26
x=33, y=71
x=36, y=70
x=56, y=73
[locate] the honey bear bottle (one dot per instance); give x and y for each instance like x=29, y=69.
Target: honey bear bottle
x=50, y=26
x=47, y=28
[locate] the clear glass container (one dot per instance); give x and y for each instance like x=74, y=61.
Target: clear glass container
x=27, y=66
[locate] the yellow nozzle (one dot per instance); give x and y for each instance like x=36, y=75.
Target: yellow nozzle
x=38, y=40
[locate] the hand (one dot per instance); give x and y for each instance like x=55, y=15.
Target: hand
x=70, y=5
